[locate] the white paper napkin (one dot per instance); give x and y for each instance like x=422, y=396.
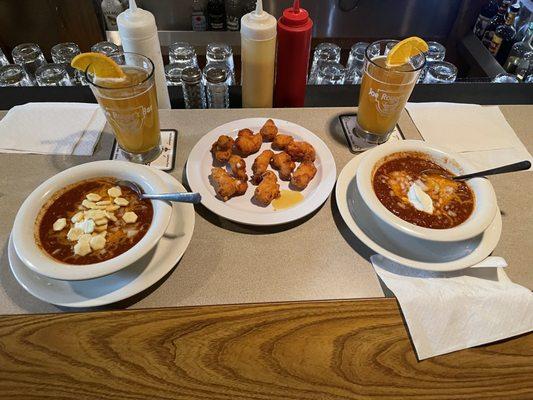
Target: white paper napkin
x=480, y=133
x=450, y=311
x=51, y=128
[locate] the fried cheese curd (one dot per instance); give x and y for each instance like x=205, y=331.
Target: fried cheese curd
x=260, y=165
x=301, y=151
x=281, y=141
x=268, y=189
x=226, y=186
x=247, y=143
x=305, y=172
x=222, y=148
x=269, y=131
x=238, y=167
x=284, y=164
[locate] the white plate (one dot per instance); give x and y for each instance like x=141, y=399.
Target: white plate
x=404, y=249
x=240, y=209
x=124, y=283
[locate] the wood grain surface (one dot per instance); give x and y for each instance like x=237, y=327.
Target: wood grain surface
x=307, y=350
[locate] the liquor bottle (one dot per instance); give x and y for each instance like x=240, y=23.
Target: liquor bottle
x=248, y=6
x=521, y=55
x=496, y=21
x=258, y=54
x=198, y=20
x=138, y=33
x=233, y=15
x=503, y=37
x=216, y=15
x=488, y=11
x=111, y=9
x=294, y=47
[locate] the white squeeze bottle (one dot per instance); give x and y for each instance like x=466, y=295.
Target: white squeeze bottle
x=258, y=54
x=138, y=33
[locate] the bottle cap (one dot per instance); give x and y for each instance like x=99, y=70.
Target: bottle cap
x=258, y=24
x=136, y=23
x=295, y=16
x=216, y=75
x=191, y=75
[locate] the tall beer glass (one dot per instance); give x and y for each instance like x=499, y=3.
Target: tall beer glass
x=384, y=92
x=130, y=106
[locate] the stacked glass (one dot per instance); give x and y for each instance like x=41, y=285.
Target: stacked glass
x=52, y=75
x=354, y=66
x=323, y=52
x=30, y=57
x=14, y=75
x=436, y=52
x=3, y=59
x=330, y=73
x=106, y=48
x=221, y=56
x=181, y=56
x=63, y=53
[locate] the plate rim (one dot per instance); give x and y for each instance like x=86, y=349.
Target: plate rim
x=341, y=192
x=137, y=288
x=321, y=194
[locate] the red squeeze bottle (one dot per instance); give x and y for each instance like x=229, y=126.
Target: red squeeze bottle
x=294, y=47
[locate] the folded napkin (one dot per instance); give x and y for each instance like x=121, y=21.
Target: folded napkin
x=52, y=128
x=480, y=133
x=449, y=311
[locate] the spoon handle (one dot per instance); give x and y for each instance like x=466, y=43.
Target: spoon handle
x=519, y=166
x=194, y=198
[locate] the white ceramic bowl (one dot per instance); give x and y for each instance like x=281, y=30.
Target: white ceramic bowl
x=485, y=206
x=37, y=260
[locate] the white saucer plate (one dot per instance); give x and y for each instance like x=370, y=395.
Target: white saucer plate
x=240, y=209
x=404, y=249
x=124, y=283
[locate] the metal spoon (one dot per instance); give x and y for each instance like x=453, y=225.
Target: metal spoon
x=180, y=197
x=519, y=166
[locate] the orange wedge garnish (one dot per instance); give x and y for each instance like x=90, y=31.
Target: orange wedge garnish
x=99, y=64
x=402, y=52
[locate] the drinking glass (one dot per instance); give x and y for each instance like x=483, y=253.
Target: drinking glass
x=130, y=106
x=181, y=56
x=52, y=75
x=173, y=74
x=63, y=53
x=3, y=58
x=356, y=60
x=29, y=56
x=505, y=77
x=330, y=73
x=221, y=53
x=323, y=52
x=106, y=48
x=436, y=52
x=389, y=44
x=384, y=92
x=440, y=72
x=14, y=75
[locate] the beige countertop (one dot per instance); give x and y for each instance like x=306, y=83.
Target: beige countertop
x=311, y=259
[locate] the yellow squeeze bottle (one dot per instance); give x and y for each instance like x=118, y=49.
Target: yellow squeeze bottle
x=258, y=55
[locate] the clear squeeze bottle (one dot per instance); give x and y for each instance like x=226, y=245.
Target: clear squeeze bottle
x=294, y=47
x=258, y=53
x=138, y=33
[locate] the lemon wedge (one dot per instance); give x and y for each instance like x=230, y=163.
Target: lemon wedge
x=99, y=64
x=402, y=52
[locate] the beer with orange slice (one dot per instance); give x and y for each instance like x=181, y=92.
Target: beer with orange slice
x=387, y=83
x=124, y=87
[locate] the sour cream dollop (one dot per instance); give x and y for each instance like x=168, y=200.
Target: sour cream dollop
x=420, y=199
